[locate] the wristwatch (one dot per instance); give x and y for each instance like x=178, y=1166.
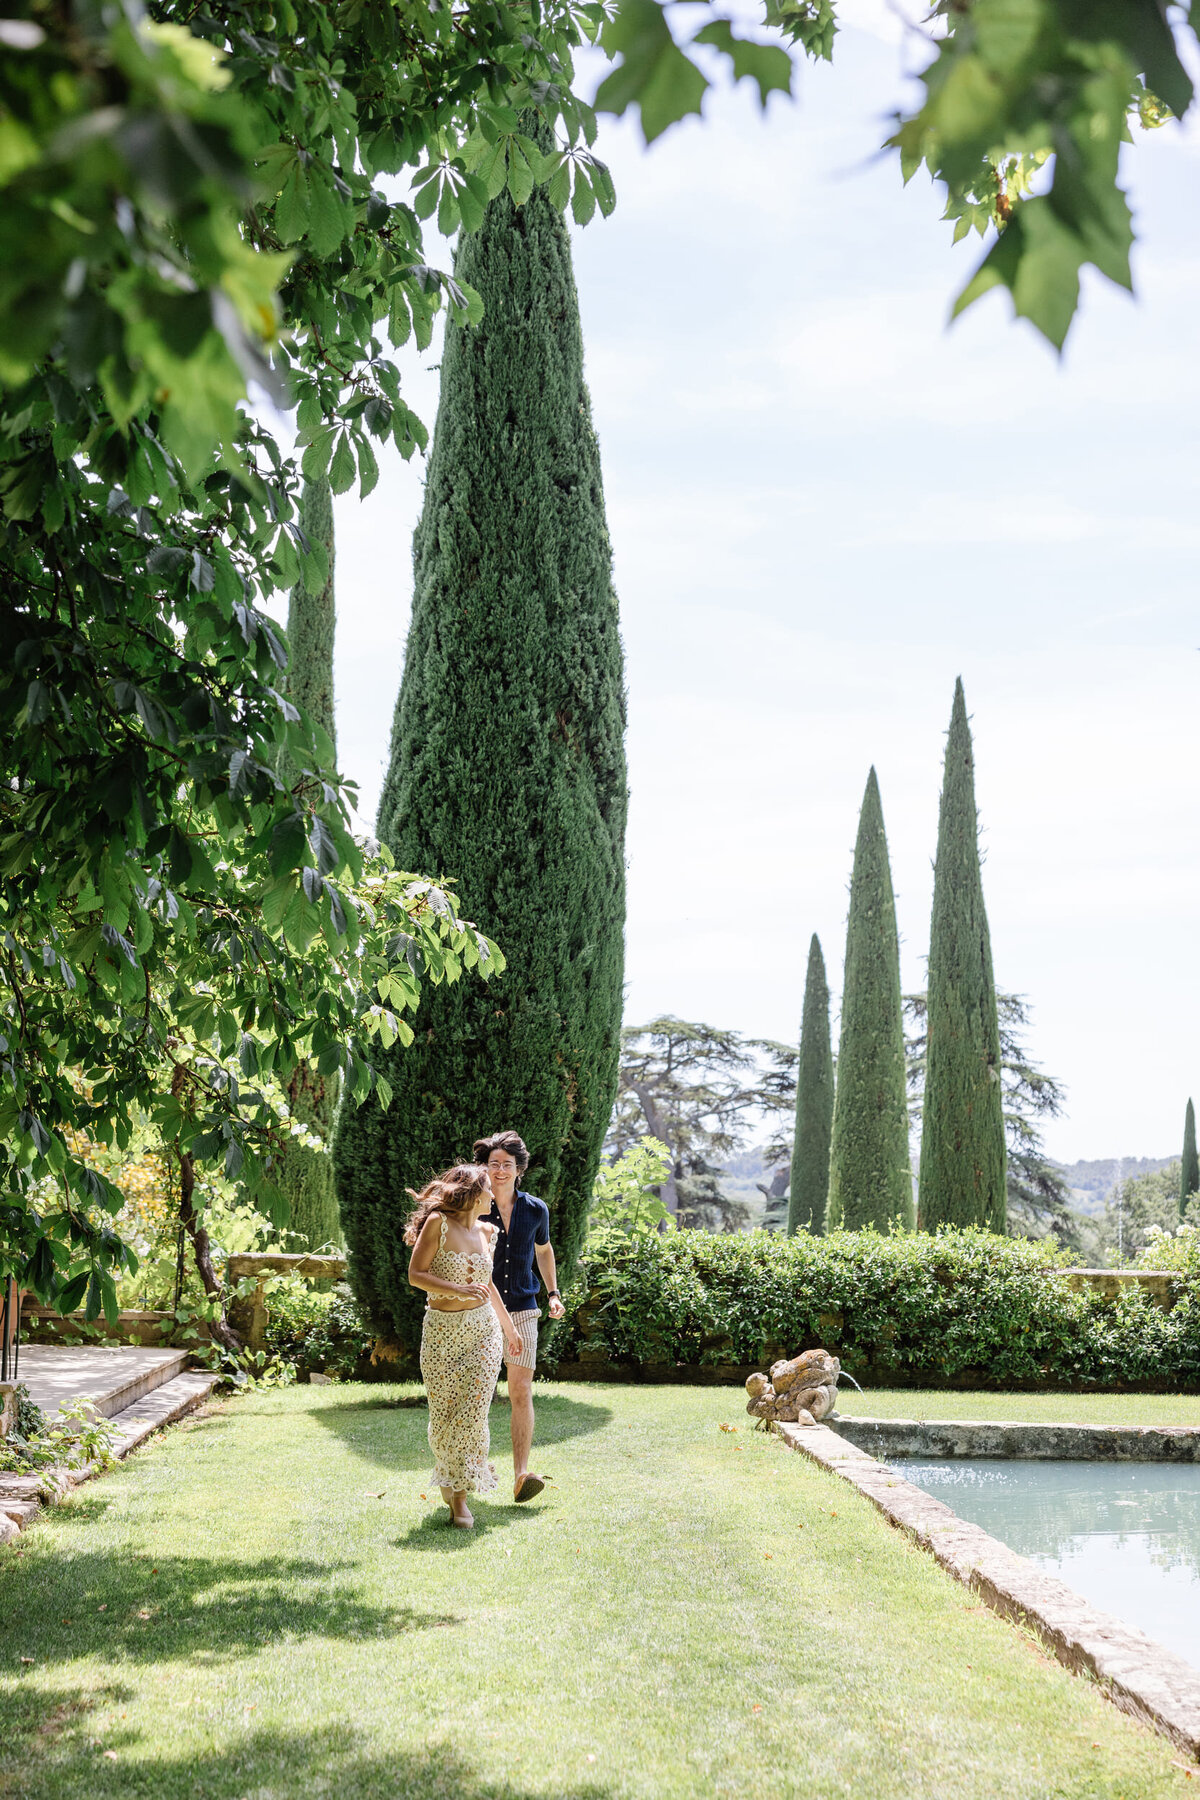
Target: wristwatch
x=554, y=1294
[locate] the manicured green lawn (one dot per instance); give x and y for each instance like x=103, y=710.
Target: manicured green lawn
x=1028, y=1409
x=262, y=1605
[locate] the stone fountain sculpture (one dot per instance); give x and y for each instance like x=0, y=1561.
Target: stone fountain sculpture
x=801, y=1391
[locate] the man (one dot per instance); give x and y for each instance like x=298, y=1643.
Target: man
x=523, y=1239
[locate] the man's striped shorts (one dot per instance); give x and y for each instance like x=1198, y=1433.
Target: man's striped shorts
x=527, y=1330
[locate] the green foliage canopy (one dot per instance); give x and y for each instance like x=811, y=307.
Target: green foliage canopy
x=1026, y=108
x=156, y=196
x=195, y=201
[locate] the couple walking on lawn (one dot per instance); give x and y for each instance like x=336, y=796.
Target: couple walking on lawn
x=476, y=1237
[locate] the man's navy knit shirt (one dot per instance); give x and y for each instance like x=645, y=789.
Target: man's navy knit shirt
x=513, y=1270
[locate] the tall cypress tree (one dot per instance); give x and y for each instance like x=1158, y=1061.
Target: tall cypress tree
x=306, y=1176
x=963, y=1151
x=1189, y=1169
x=869, y=1178
x=814, y=1104
x=507, y=766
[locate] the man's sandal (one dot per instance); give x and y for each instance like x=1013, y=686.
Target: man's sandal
x=527, y=1487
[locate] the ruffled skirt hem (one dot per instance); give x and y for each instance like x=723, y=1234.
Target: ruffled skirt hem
x=466, y=1481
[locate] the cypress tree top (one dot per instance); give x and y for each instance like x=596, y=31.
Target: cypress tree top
x=869, y=1178
x=963, y=1152
x=814, y=1104
x=1189, y=1169
x=507, y=767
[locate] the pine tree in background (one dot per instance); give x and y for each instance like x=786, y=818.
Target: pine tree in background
x=814, y=1104
x=306, y=1176
x=507, y=766
x=1189, y=1171
x=869, y=1178
x=963, y=1153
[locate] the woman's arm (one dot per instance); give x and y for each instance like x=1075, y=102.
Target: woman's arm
x=512, y=1336
x=424, y=1251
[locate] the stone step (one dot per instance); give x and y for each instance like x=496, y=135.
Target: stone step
x=160, y=1407
x=21, y=1487
x=111, y=1376
x=21, y=1495
x=21, y=1512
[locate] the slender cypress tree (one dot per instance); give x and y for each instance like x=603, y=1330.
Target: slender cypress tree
x=814, y=1104
x=963, y=1151
x=869, y=1178
x=1189, y=1169
x=507, y=766
x=306, y=1176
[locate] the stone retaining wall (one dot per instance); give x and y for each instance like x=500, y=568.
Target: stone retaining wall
x=1037, y=1443
x=42, y=1325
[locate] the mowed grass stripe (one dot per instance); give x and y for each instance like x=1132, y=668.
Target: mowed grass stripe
x=686, y=1612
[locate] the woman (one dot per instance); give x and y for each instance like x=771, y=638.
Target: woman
x=461, y=1336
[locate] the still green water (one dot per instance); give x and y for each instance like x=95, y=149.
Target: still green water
x=1124, y=1535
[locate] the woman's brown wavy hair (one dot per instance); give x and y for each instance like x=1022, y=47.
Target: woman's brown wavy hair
x=450, y=1193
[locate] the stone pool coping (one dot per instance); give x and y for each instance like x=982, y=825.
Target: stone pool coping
x=1139, y=1675
x=1035, y=1443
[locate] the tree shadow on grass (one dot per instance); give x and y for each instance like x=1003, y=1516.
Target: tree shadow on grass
x=393, y=1434
x=287, y=1765
x=198, y=1609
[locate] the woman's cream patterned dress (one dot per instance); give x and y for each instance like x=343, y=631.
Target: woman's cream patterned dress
x=460, y=1361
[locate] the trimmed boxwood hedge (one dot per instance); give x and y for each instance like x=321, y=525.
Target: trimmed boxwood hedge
x=963, y=1308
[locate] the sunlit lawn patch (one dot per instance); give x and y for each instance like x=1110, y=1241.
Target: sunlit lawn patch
x=262, y=1604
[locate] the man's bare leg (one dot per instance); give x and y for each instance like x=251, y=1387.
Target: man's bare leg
x=520, y=1399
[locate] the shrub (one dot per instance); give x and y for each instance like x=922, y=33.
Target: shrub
x=75, y=1436
x=962, y=1307
x=1178, y=1250
x=317, y=1330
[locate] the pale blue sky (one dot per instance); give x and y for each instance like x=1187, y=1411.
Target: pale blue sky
x=824, y=507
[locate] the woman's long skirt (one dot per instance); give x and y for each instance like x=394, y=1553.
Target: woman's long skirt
x=460, y=1362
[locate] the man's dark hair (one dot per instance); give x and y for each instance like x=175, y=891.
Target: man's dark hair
x=503, y=1140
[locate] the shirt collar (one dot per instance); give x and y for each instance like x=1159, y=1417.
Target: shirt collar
x=518, y=1194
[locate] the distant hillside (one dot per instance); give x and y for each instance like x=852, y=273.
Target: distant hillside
x=1092, y=1182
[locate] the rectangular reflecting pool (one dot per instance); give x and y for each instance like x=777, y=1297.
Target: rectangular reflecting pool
x=1124, y=1535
